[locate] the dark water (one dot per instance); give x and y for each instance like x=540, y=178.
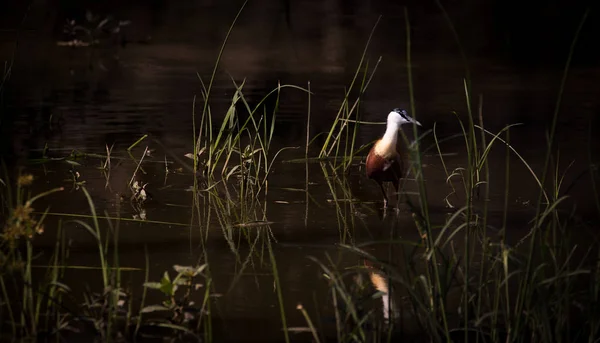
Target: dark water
x=144, y=80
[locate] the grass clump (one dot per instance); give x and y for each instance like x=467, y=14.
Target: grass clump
x=42, y=304
x=20, y=226
x=183, y=313
x=341, y=138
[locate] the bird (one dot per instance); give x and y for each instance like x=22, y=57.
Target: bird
x=385, y=161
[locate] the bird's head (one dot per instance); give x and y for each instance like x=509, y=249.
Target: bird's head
x=399, y=116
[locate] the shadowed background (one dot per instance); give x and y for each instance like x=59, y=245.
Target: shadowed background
x=143, y=79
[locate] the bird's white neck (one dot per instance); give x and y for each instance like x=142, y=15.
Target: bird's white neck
x=391, y=134
x=386, y=146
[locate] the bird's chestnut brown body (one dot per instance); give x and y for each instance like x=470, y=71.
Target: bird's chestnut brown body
x=385, y=168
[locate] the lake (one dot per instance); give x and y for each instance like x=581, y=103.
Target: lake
x=146, y=78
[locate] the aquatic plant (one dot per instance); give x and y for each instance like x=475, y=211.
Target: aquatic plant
x=19, y=227
x=89, y=31
x=183, y=312
x=341, y=130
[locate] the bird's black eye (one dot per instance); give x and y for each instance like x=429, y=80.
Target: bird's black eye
x=402, y=113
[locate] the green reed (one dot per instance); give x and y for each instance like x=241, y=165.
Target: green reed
x=339, y=127
x=203, y=215
x=525, y=282
x=279, y=291
x=249, y=139
x=340, y=291
x=20, y=228
x=207, y=90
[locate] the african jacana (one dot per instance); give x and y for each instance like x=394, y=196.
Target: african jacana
x=385, y=161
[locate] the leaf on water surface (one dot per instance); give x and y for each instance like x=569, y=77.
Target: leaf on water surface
x=154, y=308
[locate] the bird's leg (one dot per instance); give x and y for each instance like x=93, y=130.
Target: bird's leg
x=396, y=192
x=385, y=198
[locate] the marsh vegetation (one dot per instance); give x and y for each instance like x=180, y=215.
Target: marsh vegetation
x=462, y=259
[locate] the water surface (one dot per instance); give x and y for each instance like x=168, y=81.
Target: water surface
x=144, y=81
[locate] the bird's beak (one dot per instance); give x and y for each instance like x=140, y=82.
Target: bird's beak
x=416, y=122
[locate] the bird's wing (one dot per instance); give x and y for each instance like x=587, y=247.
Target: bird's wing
x=387, y=163
x=390, y=161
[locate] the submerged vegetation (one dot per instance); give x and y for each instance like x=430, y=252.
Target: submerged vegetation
x=460, y=278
